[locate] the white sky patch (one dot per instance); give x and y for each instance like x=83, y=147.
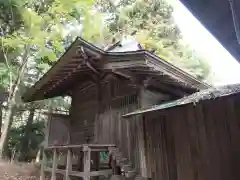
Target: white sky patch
x=224, y=66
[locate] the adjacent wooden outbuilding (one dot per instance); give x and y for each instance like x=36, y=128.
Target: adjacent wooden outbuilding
x=104, y=85
x=194, y=138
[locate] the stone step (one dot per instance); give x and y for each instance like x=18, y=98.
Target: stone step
x=123, y=163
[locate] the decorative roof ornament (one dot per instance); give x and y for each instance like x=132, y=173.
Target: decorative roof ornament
x=125, y=45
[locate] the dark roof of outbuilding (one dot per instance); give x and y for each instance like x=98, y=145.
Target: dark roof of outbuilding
x=217, y=17
x=210, y=93
x=82, y=60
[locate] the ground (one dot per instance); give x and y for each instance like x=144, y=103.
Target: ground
x=18, y=171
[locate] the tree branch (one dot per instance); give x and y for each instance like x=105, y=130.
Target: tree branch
x=20, y=72
x=6, y=60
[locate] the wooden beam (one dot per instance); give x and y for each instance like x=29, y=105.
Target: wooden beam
x=93, y=173
x=43, y=163
x=80, y=146
x=66, y=70
x=82, y=174
x=122, y=73
x=126, y=74
x=124, y=64
x=85, y=85
x=164, y=87
x=54, y=164
x=69, y=164
x=92, y=68
x=147, y=81
x=145, y=68
x=87, y=162
x=164, y=91
x=141, y=134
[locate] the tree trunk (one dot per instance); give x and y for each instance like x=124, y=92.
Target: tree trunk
x=11, y=101
x=38, y=156
x=25, y=142
x=6, y=127
x=3, y=98
x=1, y=118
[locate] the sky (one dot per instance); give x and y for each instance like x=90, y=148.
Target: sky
x=224, y=66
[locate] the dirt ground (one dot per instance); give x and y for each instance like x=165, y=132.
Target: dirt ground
x=18, y=171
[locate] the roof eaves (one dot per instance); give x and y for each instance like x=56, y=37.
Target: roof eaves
x=207, y=94
x=62, y=61
x=175, y=72
x=151, y=109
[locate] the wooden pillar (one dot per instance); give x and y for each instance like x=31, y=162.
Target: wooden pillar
x=54, y=164
x=87, y=162
x=69, y=164
x=45, y=143
x=42, y=173
x=128, y=139
x=47, y=126
x=140, y=132
x=95, y=165
x=97, y=117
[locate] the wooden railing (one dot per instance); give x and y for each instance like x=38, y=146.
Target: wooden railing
x=89, y=156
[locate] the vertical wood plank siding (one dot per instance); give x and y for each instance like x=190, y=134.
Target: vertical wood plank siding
x=195, y=142
x=96, y=117
x=82, y=114
x=59, y=129
x=99, y=119
x=111, y=127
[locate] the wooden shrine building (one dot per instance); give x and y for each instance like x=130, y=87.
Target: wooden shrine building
x=104, y=85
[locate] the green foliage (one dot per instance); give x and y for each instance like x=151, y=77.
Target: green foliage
x=152, y=25
x=4, y=74
x=34, y=43
x=16, y=138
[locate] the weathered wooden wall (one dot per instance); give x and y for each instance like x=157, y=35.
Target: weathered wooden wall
x=110, y=126
x=195, y=142
x=96, y=117
x=58, y=129
x=82, y=115
x=150, y=98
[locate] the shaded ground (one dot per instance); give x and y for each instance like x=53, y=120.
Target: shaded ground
x=18, y=171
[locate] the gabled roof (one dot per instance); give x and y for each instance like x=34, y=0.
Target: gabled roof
x=82, y=60
x=207, y=94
